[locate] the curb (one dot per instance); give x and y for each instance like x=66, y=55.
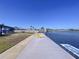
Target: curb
x=13, y=52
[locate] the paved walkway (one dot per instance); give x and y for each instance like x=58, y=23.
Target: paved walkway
x=41, y=47
x=13, y=52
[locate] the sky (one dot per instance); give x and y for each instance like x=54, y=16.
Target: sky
x=38, y=13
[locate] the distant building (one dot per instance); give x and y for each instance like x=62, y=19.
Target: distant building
x=5, y=30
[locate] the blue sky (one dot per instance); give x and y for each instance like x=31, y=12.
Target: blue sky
x=47, y=13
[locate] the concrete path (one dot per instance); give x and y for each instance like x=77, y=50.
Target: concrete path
x=41, y=47
x=13, y=52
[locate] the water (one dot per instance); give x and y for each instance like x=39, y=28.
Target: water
x=71, y=38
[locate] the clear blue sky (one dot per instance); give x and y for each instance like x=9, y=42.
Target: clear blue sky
x=47, y=13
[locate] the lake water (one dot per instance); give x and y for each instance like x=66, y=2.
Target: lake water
x=70, y=40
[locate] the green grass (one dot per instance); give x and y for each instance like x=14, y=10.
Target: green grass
x=7, y=42
x=4, y=47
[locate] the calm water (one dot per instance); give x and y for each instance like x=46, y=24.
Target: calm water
x=65, y=38
x=71, y=38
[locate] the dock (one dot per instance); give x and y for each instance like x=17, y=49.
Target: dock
x=37, y=46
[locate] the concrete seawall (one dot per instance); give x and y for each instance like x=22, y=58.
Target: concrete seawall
x=38, y=46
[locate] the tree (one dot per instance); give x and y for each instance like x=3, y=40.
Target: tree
x=71, y=29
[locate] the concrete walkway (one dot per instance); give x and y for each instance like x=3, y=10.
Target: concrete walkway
x=38, y=46
x=43, y=48
x=13, y=52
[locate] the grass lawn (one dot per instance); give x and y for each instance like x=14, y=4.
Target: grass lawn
x=7, y=42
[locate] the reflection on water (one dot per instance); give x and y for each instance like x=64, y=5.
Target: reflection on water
x=65, y=38
x=71, y=38
x=71, y=48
